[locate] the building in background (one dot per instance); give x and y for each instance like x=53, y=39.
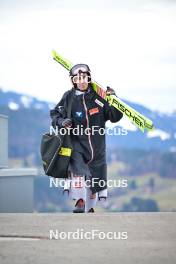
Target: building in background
x=16, y=184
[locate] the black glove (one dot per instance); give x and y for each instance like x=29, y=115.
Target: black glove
x=110, y=91
x=67, y=122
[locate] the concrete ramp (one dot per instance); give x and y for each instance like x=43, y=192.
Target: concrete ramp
x=88, y=238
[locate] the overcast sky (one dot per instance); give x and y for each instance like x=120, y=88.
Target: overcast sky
x=129, y=45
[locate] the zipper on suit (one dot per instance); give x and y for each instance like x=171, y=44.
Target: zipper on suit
x=89, y=138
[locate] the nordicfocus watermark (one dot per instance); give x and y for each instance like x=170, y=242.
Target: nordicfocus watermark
x=87, y=235
x=79, y=130
x=80, y=78
x=79, y=182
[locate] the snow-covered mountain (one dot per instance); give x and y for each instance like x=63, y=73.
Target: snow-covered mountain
x=17, y=101
x=163, y=137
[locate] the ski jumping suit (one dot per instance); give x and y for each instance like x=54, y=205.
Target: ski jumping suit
x=89, y=151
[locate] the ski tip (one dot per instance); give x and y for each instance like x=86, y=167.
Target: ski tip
x=53, y=52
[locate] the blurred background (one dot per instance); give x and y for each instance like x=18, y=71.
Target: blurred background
x=130, y=46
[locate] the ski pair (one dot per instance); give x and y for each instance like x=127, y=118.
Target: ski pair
x=138, y=119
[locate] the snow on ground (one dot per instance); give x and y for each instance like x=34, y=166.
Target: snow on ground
x=158, y=133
